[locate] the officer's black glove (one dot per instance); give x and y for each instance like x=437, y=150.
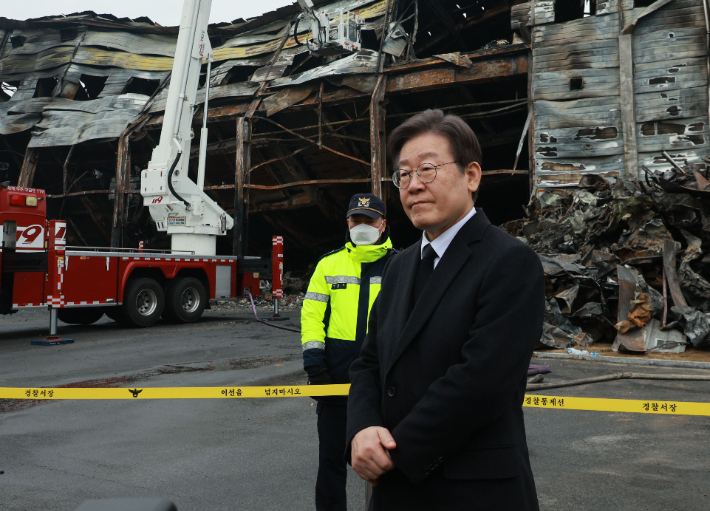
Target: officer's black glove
x=320, y=377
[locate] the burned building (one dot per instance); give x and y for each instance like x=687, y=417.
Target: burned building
x=293, y=133
x=592, y=87
x=621, y=202
x=616, y=84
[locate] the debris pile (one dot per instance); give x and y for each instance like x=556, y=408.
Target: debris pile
x=625, y=263
x=263, y=302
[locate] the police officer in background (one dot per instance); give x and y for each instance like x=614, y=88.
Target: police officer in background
x=333, y=325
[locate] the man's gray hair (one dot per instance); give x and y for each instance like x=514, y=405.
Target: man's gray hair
x=462, y=140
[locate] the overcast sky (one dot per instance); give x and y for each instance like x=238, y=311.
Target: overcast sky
x=165, y=12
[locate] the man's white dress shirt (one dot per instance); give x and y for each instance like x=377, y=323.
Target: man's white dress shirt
x=441, y=243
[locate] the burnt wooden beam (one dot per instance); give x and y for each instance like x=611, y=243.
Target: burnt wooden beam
x=123, y=164
x=242, y=163
x=29, y=165
x=377, y=137
x=244, y=127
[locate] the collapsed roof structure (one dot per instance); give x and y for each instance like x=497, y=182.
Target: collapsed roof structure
x=593, y=86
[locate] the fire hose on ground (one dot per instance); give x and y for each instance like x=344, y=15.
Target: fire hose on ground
x=616, y=376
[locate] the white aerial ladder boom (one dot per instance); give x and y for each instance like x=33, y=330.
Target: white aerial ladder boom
x=176, y=203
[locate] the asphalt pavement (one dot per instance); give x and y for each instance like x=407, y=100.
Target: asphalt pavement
x=256, y=454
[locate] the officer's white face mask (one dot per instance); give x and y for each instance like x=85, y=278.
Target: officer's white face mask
x=363, y=234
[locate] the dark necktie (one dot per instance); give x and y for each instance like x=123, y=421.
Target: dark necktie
x=426, y=268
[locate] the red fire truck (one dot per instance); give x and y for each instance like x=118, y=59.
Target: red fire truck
x=135, y=287
x=80, y=284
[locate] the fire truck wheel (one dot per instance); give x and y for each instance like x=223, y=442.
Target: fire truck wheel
x=80, y=316
x=185, y=300
x=143, y=302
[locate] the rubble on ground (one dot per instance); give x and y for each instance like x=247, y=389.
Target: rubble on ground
x=263, y=302
x=625, y=263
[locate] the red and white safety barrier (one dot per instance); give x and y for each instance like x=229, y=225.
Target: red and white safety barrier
x=277, y=269
x=57, y=246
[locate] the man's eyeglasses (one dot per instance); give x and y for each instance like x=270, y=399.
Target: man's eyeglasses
x=426, y=172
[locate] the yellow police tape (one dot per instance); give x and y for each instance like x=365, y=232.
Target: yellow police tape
x=532, y=401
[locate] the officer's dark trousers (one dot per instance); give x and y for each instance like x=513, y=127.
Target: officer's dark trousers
x=330, y=485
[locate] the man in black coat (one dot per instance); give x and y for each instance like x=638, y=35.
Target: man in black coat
x=435, y=418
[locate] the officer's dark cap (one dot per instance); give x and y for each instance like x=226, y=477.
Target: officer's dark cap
x=366, y=204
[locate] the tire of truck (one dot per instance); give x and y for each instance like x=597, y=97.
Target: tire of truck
x=143, y=302
x=185, y=300
x=80, y=315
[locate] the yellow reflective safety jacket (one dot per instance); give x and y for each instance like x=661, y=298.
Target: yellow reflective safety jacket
x=337, y=305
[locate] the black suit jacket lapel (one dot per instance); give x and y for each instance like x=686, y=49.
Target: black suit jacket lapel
x=455, y=257
x=405, y=287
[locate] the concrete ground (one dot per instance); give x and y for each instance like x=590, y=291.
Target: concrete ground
x=262, y=454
